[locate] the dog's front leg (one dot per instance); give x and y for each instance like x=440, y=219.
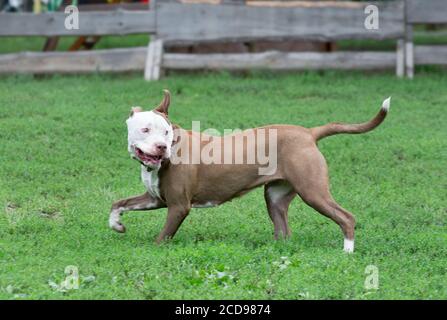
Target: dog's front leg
x=175, y=217
x=142, y=202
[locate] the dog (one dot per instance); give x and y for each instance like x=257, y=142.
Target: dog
x=300, y=170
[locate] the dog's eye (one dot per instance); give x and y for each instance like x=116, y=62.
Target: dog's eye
x=145, y=130
x=166, y=132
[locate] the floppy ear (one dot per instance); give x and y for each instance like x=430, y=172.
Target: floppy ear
x=164, y=104
x=135, y=110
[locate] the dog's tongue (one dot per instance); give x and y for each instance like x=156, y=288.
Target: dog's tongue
x=148, y=158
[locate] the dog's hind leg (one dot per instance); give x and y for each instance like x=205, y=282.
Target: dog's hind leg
x=141, y=202
x=278, y=195
x=329, y=208
x=310, y=180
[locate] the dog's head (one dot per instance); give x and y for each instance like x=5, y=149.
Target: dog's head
x=150, y=134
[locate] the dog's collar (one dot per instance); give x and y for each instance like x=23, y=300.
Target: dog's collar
x=135, y=158
x=141, y=162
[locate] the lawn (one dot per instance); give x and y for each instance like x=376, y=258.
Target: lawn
x=64, y=161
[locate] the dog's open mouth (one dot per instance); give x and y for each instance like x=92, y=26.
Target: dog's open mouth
x=147, y=158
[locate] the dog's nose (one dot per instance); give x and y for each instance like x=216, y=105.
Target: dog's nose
x=161, y=147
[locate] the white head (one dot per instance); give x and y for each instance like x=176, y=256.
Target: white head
x=150, y=134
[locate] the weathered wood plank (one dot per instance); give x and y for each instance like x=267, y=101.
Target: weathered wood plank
x=113, y=6
x=153, y=61
x=177, y=22
x=148, y=69
x=426, y=11
x=409, y=51
x=156, y=71
x=308, y=4
x=237, y=2
x=112, y=60
x=120, y=22
x=400, y=58
x=275, y=60
x=436, y=55
x=133, y=59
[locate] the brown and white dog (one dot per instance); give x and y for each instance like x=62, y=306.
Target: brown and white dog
x=300, y=169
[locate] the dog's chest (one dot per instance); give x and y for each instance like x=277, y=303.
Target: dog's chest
x=151, y=181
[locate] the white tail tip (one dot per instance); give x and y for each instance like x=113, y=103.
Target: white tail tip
x=348, y=246
x=386, y=104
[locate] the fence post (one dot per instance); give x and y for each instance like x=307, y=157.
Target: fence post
x=153, y=60
x=154, y=52
x=400, y=58
x=409, y=51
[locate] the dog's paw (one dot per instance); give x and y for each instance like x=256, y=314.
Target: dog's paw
x=348, y=246
x=117, y=226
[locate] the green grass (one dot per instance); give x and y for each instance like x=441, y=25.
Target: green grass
x=64, y=160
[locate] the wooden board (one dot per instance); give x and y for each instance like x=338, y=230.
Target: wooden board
x=436, y=55
x=275, y=60
x=426, y=11
x=400, y=58
x=409, y=51
x=113, y=6
x=133, y=59
x=152, y=70
x=112, y=60
x=118, y=22
x=185, y=23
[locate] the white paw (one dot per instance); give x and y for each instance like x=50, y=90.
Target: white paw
x=117, y=226
x=348, y=246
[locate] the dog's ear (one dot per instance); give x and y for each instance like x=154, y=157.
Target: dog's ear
x=164, y=104
x=135, y=110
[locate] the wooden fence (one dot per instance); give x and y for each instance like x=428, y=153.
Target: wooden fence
x=195, y=21
x=424, y=12
x=204, y=22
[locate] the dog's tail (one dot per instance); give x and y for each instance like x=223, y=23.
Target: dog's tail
x=336, y=128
